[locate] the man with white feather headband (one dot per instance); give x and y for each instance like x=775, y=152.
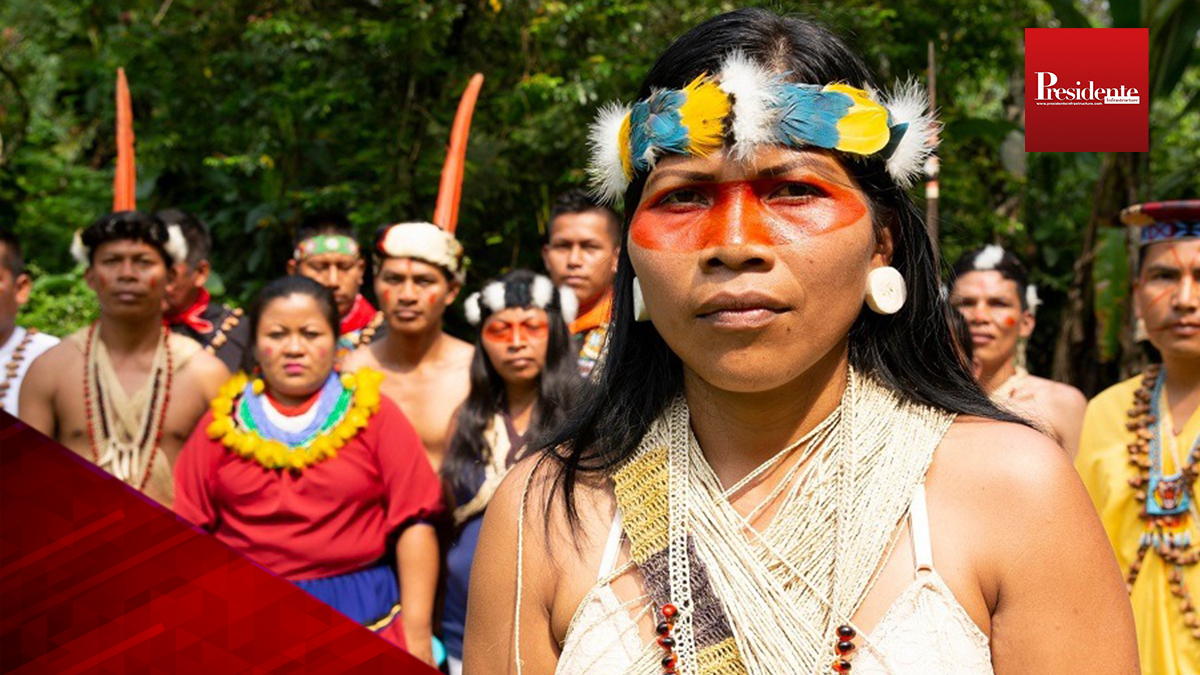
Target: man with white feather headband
x=419, y=271
x=785, y=464
x=993, y=294
x=125, y=392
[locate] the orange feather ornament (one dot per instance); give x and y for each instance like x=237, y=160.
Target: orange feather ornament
x=445, y=215
x=125, y=180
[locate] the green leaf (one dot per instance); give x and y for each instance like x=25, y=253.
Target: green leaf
x=1068, y=14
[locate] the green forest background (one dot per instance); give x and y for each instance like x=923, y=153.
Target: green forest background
x=251, y=113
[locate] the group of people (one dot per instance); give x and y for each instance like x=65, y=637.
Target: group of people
x=309, y=432
x=744, y=428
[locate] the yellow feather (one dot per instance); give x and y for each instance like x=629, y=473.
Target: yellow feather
x=863, y=130
x=623, y=144
x=703, y=113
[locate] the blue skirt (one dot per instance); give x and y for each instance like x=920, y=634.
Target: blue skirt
x=367, y=596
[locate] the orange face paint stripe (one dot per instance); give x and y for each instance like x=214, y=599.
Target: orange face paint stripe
x=504, y=332
x=738, y=215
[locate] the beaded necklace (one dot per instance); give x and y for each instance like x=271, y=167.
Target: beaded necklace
x=114, y=448
x=1168, y=502
x=344, y=407
x=15, y=361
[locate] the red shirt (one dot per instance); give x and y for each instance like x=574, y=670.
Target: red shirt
x=332, y=518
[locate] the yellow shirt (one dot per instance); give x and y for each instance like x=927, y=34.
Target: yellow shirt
x=1165, y=644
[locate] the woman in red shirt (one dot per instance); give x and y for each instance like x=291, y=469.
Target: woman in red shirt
x=315, y=476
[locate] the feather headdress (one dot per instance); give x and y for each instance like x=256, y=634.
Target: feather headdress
x=435, y=242
x=748, y=106
x=521, y=289
x=125, y=179
x=171, y=240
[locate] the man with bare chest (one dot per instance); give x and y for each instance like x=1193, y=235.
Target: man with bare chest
x=426, y=372
x=125, y=392
x=992, y=292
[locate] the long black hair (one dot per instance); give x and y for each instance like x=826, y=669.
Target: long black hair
x=911, y=352
x=283, y=287
x=557, y=388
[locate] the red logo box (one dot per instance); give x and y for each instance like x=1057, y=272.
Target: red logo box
x=1087, y=89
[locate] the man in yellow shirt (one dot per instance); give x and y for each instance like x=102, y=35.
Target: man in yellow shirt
x=1140, y=448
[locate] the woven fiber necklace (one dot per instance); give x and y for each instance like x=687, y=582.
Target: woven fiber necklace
x=736, y=599
x=130, y=430
x=1168, y=501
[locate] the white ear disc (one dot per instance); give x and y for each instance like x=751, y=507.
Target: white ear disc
x=886, y=290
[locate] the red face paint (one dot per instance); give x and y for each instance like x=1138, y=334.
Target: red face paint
x=268, y=352
x=769, y=212
x=432, y=299
x=502, y=331
x=1010, y=321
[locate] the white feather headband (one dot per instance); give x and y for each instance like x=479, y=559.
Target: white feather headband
x=757, y=107
x=494, y=298
x=175, y=246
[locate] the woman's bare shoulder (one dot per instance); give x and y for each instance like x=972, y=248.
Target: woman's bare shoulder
x=986, y=453
x=536, y=482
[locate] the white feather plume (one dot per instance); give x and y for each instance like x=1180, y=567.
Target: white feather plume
x=78, y=251
x=493, y=296
x=1032, y=301
x=605, y=169
x=909, y=104
x=471, y=309
x=176, y=245
x=751, y=87
x=989, y=257
x=541, y=292
x=569, y=304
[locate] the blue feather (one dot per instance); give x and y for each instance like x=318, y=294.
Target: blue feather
x=639, y=137
x=809, y=116
x=666, y=124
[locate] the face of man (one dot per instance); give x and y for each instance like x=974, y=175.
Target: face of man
x=14, y=292
x=182, y=292
x=1167, y=297
x=991, y=305
x=341, y=273
x=130, y=278
x=413, y=295
x=582, y=254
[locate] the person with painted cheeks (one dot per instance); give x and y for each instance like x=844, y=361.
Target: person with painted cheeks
x=524, y=378
x=785, y=462
x=315, y=476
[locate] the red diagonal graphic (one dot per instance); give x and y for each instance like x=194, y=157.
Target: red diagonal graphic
x=61, y=543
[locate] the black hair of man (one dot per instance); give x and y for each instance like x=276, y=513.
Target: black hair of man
x=1009, y=267
x=13, y=259
x=322, y=222
x=130, y=226
x=576, y=200
x=195, y=233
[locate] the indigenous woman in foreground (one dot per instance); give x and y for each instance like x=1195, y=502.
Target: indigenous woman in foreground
x=523, y=380
x=786, y=465
x=315, y=476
